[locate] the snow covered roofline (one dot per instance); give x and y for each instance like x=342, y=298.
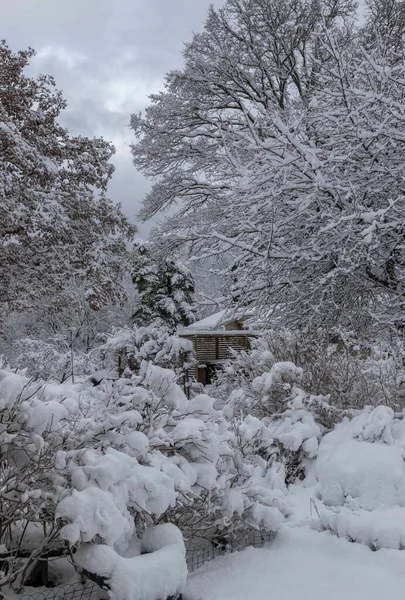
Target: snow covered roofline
x=189, y=332
x=216, y=322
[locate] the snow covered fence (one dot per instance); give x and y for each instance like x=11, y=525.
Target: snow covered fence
x=74, y=591
x=198, y=555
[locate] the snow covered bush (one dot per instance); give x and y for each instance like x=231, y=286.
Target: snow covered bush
x=354, y=372
x=288, y=438
x=351, y=373
x=360, y=471
x=151, y=343
x=277, y=424
x=95, y=465
x=126, y=348
x=35, y=420
x=155, y=569
x=52, y=359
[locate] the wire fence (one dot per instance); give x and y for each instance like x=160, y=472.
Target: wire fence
x=73, y=591
x=197, y=555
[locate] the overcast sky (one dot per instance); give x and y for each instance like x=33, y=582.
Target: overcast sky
x=107, y=56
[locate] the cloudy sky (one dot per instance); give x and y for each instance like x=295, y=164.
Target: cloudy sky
x=107, y=56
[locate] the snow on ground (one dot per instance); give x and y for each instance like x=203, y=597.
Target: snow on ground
x=305, y=565
x=354, y=492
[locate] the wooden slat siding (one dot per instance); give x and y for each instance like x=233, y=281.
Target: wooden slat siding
x=217, y=347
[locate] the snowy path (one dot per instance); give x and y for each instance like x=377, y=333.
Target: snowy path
x=305, y=565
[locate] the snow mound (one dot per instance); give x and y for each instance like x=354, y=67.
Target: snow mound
x=360, y=473
x=354, y=472
x=153, y=576
x=377, y=529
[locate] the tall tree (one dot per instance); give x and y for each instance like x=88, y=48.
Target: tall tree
x=281, y=143
x=165, y=288
x=56, y=224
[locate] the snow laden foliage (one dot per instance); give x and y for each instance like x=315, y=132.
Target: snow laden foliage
x=165, y=289
x=278, y=421
x=333, y=364
x=85, y=466
x=126, y=348
x=56, y=224
x=279, y=145
x=159, y=572
x=350, y=462
x=361, y=479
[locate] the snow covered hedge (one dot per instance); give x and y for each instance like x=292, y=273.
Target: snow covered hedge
x=87, y=465
x=360, y=475
x=333, y=364
x=88, y=470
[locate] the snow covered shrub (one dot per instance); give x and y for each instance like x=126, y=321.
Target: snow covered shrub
x=353, y=376
x=361, y=479
x=52, y=359
x=353, y=373
x=128, y=347
x=183, y=439
x=255, y=383
x=152, y=343
x=265, y=399
x=292, y=435
x=155, y=569
x=95, y=465
x=34, y=422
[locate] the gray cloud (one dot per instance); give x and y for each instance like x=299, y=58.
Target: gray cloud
x=107, y=56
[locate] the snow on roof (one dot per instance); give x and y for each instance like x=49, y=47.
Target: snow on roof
x=216, y=321
x=211, y=322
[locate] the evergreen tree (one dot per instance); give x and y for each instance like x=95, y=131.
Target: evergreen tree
x=165, y=289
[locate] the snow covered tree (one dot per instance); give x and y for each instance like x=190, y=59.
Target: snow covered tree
x=281, y=143
x=124, y=454
x=165, y=288
x=40, y=340
x=56, y=224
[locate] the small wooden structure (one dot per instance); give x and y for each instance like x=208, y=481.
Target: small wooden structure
x=214, y=339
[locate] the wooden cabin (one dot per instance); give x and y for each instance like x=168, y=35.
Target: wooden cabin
x=214, y=338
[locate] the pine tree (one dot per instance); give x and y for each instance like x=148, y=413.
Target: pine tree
x=165, y=289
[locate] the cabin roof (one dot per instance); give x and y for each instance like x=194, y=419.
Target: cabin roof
x=214, y=322
x=210, y=322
